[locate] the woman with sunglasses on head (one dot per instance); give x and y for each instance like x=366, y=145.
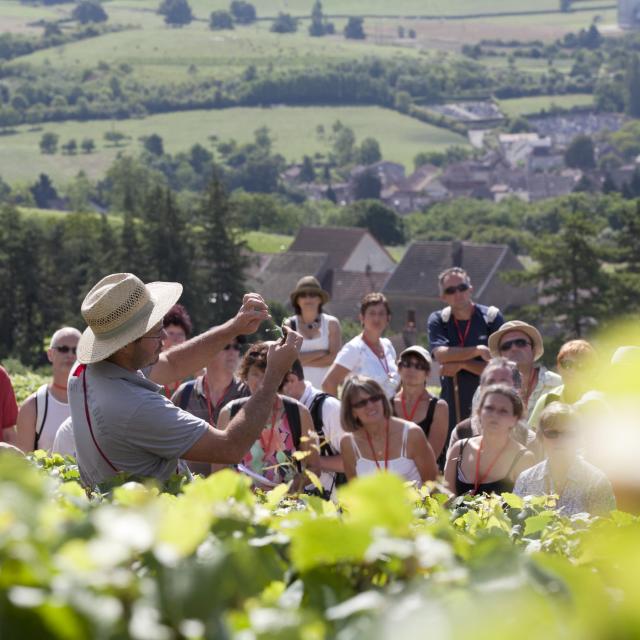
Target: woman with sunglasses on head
x=42, y=413
x=490, y=462
x=289, y=429
x=368, y=354
x=580, y=486
x=376, y=441
x=413, y=401
x=321, y=332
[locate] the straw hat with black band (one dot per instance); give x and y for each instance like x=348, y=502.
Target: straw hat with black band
x=308, y=284
x=121, y=309
x=522, y=327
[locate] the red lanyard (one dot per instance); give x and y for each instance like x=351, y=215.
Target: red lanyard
x=386, y=447
x=409, y=416
x=531, y=386
x=462, y=337
x=381, y=359
x=480, y=479
x=210, y=408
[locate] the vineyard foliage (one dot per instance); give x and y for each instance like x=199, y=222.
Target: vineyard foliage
x=219, y=561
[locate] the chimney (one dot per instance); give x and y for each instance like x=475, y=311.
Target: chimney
x=456, y=253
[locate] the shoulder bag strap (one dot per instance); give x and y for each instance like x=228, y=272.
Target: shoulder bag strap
x=93, y=437
x=42, y=406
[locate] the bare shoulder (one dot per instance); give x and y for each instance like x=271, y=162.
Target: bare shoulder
x=30, y=403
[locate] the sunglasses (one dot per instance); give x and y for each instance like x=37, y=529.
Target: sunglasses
x=65, y=349
x=573, y=365
x=462, y=287
x=234, y=345
x=413, y=364
x=308, y=294
x=361, y=404
x=521, y=343
x=554, y=434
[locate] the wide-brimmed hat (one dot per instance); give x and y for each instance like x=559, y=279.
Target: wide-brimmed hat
x=417, y=350
x=121, y=309
x=308, y=284
x=523, y=327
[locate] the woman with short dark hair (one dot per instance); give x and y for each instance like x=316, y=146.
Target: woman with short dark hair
x=413, y=401
x=377, y=441
x=368, y=354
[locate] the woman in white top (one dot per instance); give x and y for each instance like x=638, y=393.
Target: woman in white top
x=44, y=411
x=376, y=441
x=321, y=332
x=368, y=354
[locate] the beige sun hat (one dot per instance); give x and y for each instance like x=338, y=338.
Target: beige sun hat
x=121, y=309
x=523, y=327
x=308, y=284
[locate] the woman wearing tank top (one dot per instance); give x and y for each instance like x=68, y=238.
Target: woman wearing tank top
x=376, y=441
x=414, y=403
x=490, y=462
x=321, y=332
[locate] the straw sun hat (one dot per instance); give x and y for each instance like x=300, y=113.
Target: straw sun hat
x=121, y=309
x=522, y=327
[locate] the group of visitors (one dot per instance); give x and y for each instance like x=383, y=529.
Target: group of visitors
x=135, y=393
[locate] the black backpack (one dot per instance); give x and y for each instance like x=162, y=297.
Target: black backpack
x=315, y=409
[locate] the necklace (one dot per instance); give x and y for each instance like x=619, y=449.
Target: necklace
x=311, y=326
x=386, y=447
x=479, y=479
x=381, y=358
x=410, y=415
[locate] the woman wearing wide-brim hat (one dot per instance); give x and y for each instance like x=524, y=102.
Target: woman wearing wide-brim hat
x=321, y=332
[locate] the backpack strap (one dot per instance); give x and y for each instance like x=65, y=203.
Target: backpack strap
x=491, y=314
x=431, y=410
x=186, y=394
x=42, y=405
x=315, y=409
x=292, y=411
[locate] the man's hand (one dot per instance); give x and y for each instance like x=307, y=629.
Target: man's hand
x=281, y=356
x=450, y=369
x=252, y=313
x=483, y=352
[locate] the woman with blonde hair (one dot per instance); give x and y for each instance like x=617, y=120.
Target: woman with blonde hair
x=376, y=441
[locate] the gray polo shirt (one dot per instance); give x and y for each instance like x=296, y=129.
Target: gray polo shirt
x=138, y=429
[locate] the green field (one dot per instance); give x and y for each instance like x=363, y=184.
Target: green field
x=293, y=130
x=526, y=106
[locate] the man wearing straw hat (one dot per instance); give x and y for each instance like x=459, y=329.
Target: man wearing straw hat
x=521, y=343
x=121, y=420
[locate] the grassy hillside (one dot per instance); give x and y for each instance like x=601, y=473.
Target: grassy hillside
x=524, y=106
x=293, y=130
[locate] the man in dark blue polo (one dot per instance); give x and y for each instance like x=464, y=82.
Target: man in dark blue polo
x=458, y=336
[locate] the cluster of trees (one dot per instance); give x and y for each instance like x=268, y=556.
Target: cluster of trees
x=48, y=264
x=49, y=144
